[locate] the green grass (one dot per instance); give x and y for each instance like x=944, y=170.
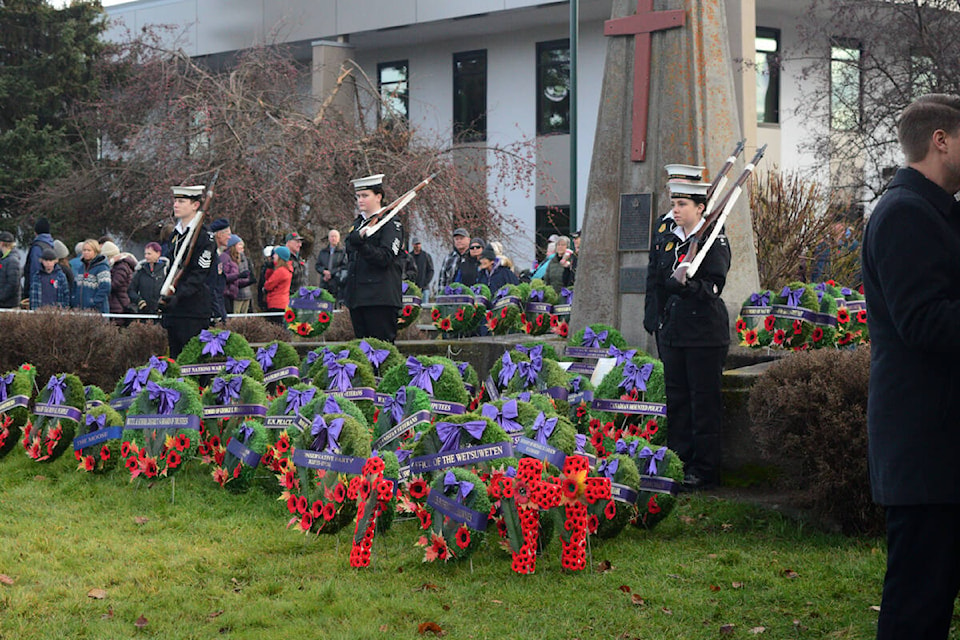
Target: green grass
x=213, y=565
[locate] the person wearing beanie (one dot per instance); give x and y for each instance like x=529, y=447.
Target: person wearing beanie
x=492, y=273
x=50, y=287
x=62, y=259
x=144, y=289
x=42, y=240
x=9, y=272
x=122, y=267
x=277, y=285
x=244, y=286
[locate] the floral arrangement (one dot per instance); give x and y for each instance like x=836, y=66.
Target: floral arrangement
x=598, y=336
x=504, y=314
x=451, y=538
x=824, y=332
x=412, y=299
x=457, y=312
x=376, y=498
x=163, y=429
x=561, y=312
x=16, y=389
x=438, y=376
x=623, y=395
x=236, y=464
x=608, y=520
x=852, y=328
x=406, y=402
x=98, y=441
x=755, y=322
x=130, y=386
x=213, y=347
x=655, y=462
x=228, y=402
x=56, y=414
x=381, y=354
x=528, y=370
x=538, y=317
x=316, y=359
x=523, y=500
x=577, y=493
x=339, y=374
x=310, y=311
x=280, y=364
x=795, y=308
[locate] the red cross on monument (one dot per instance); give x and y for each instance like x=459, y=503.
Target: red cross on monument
x=640, y=25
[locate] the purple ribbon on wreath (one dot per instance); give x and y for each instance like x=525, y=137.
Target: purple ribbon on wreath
x=165, y=398
x=297, y=399
x=330, y=405
x=395, y=405
x=462, y=368
x=326, y=436
x=462, y=488
x=760, y=299
x=536, y=295
x=403, y=455
x=404, y=287
x=501, y=292
x=477, y=290
x=158, y=364
x=265, y=356
x=524, y=396
x=635, y=377
x=575, y=384
x=423, y=376
x=5, y=382
x=608, y=468
x=567, y=295
x=647, y=453
x=529, y=371
x=622, y=356
x=579, y=443
x=376, y=357
x=311, y=294
x=625, y=448
x=450, y=290
x=57, y=385
x=226, y=390
x=792, y=295
x=134, y=380
x=449, y=433
x=507, y=369
x=237, y=367
x=506, y=416
x=533, y=353
x=543, y=427
x=340, y=375
x=331, y=356
x=593, y=339
x=213, y=343
x=312, y=356
x=244, y=432
x=845, y=291
x=820, y=288
x=100, y=421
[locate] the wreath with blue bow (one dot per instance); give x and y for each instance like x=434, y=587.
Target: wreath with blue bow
x=16, y=390
x=45, y=437
x=310, y=312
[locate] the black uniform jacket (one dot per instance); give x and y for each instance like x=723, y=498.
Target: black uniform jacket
x=374, y=271
x=192, y=297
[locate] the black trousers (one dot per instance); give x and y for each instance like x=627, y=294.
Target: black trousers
x=180, y=330
x=375, y=322
x=692, y=377
x=923, y=572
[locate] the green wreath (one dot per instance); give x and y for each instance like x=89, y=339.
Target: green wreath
x=45, y=437
x=17, y=390
x=160, y=452
x=414, y=401
x=233, y=472
x=211, y=347
x=755, y=323
x=448, y=539
x=314, y=360
x=549, y=377
x=457, y=318
x=608, y=518
x=793, y=333
x=856, y=330
x=652, y=427
x=653, y=507
x=824, y=333
x=223, y=390
x=430, y=442
x=373, y=350
x=448, y=387
x=504, y=314
x=329, y=377
x=412, y=299
x=612, y=337
x=310, y=312
x=103, y=455
x=277, y=356
x=537, y=323
x=130, y=385
x=94, y=396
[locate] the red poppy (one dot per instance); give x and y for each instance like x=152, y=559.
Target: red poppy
x=539, y=319
x=463, y=537
x=564, y=329
x=459, y=314
x=78, y=454
x=316, y=509
x=329, y=511
x=425, y=518
x=797, y=327
x=492, y=324
x=435, y=314
x=236, y=470
x=741, y=325
x=569, y=488
x=652, y=505
x=504, y=312
x=610, y=510
x=304, y=329
x=89, y=463
x=769, y=322
x=283, y=444
x=843, y=316
x=181, y=442
x=214, y=442
x=779, y=336
x=817, y=334
x=407, y=310
x=862, y=316
x=593, y=523
x=418, y=488
x=105, y=453
x=323, y=317
x=132, y=463
x=289, y=316
x=173, y=460
x=292, y=503
x=445, y=324
x=554, y=320
x=150, y=468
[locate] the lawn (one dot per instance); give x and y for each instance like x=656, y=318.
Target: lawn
x=211, y=564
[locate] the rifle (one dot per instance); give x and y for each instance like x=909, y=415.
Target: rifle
x=185, y=253
x=381, y=217
x=716, y=187
x=714, y=223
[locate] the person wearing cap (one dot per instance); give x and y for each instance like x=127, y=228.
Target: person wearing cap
x=451, y=264
x=9, y=272
x=294, y=242
x=122, y=266
x=558, y=273
x=374, y=277
x=186, y=312
x=144, y=289
x=92, y=282
x=217, y=281
x=277, y=284
x=424, y=262
x=332, y=265
x=41, y=240
x=469, y=268
x=50, y=287
x=493, y=273
x=693, y=338
x=62, y=259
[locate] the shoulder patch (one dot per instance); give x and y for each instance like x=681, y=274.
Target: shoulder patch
x=205, y=259
x=663, y=227
x=668, y=247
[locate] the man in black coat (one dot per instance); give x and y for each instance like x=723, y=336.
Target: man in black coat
x=9, y=272
x=374, y=279
x=424, y=262
x=911, y=276
x=332, y=265
x=186, y=312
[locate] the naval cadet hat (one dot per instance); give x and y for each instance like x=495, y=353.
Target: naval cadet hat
x=683, y=189
x=193, y=191
x=690, y=172
x=368, y=182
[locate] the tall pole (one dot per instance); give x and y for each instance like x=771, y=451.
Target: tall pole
x=574, y=34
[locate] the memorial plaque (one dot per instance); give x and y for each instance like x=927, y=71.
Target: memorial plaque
x=633, y=279
x=635, y=211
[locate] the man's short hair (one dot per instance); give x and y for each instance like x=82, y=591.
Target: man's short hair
x=925, y=115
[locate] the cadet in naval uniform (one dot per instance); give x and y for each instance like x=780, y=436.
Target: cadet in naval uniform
x=693, y=338
x=374, y=281
x=186, y=312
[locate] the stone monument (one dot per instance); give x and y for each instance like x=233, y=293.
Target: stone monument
x=668, y=97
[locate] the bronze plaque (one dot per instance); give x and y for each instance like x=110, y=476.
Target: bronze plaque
x=635, y=210
x=633, y=279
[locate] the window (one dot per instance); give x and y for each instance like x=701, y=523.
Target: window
x=552, y=220
x=392, y=79
x=844, y=85
x=470, y=96
x=553, y=87
x=768, y=75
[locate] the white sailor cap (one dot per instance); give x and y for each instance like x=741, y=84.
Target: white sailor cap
x=685, y=189
x=690, y=172
x=368, y=182
x=192, y=191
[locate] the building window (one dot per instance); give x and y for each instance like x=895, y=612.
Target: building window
x=768, y=75
x=552, y=220
x=392, y=79
x=553, y=87
x=845, y=89
x=470, y=96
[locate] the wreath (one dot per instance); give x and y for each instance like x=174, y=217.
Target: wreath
x=449, y=537
x=655, y=464
x=16, y=389
x=316, y=359
x=581, y=393
x=504, y=314
x=824, y=333
x=310, y=311
x=412, y=299
x=562, y=310
x=598, y=336
x=340, y=374
x=538, y=317
x=408, y=405
x=246, y=445
x=755, y=322
x=163, y=429
x=381, y=354
x=855, y=329
x=436, y=375
x=795, y=310
x=98, y=441
x=218, y=347
x=621, y=398
x=608, y=520
x=228, y=401
x=280, y=364
x=129, y=387
x=518, y=371
x=54, y=419
x=458, y=311
x=94, y=396
x=453, y=433
x=375, y=502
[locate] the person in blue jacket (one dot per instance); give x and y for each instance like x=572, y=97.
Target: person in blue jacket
x=92, y=282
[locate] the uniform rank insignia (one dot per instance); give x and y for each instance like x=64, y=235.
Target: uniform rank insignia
x=205, y=260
